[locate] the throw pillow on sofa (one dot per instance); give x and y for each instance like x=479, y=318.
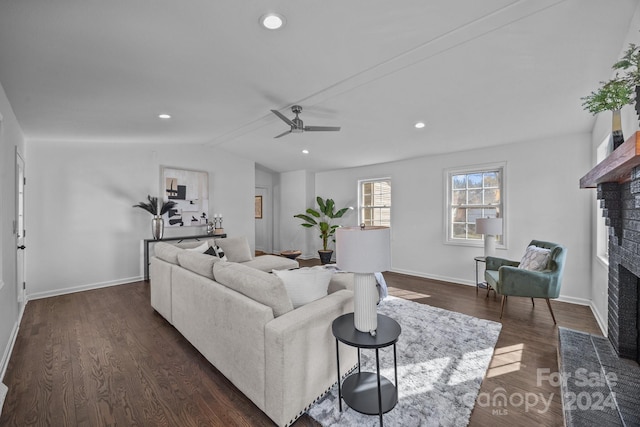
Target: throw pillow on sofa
x=535, y=258
x=305, y=285
x=217, y=252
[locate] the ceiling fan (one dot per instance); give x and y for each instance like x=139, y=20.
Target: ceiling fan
x=297, y=126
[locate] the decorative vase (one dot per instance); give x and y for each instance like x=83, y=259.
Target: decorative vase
x=325, y=256
x=157, y=227
x=616, y=129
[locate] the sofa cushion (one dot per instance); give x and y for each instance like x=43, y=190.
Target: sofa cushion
x=305, y=285
x=262, y=287
x=167, y=252
x=535, y=258
x=271, y=262
x=236, y=249
x=201, y=264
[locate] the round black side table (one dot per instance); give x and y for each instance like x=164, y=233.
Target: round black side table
x=359, y=389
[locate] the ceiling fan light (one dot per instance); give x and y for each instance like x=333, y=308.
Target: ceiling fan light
x=164, y=116
x=272, y=21
x=305, y=151
x=419, y=125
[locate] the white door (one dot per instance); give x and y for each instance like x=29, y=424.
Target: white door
x=19, y=229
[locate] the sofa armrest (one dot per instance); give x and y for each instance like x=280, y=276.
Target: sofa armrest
x=301, y=356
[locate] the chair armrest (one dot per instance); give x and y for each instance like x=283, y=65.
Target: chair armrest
x=494, y=263
x=526, y=283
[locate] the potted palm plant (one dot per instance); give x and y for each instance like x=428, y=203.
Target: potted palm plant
x=611, y=96
x=322, y=220
x=157, y=223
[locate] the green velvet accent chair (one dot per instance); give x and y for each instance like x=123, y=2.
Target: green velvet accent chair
x=508, y=280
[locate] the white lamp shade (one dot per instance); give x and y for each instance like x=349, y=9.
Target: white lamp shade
x=365, y=250
x=489, y=226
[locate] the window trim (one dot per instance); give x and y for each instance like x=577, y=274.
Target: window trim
x=447, y=240
x=360, y=182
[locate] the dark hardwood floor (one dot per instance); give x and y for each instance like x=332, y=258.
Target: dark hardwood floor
x=104, y=357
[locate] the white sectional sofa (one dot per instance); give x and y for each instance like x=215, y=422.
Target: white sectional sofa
x=242, y=320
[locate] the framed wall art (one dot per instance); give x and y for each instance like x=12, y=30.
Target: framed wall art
x=190, y=190
x=258, y=207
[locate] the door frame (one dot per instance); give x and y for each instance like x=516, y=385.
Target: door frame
x=19, y=228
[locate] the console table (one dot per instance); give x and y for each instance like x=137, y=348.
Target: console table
x=359, y=389
x=179, y=239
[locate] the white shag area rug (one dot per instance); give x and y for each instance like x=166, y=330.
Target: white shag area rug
x=442, y=359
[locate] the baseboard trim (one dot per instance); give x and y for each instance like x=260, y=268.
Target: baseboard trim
x=574, y=300
x=81, y=288
x=602, y=322
x=4, y=363
x=453, y=280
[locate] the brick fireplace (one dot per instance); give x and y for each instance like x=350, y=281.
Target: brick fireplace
x=621, y=204
x=617, y=179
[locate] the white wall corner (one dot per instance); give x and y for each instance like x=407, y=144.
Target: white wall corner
x=602, y=321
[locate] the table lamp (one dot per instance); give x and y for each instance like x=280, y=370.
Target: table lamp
x=490, y=227
x=364, y=251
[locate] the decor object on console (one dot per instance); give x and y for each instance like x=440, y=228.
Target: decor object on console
x=157, y=223
x=322, y=220
x=524, y=279
x=490, y=227
x=364, y=251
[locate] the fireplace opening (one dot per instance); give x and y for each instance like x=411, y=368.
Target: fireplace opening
x=628, y=314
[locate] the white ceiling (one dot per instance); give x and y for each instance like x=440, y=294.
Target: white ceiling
x=479, y=73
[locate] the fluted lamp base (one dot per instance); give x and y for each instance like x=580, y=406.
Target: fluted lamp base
x=365, y=302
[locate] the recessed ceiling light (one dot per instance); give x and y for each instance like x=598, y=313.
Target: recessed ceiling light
x=305, y=151
x=419, y=125
x=164, y=116
x=272, y=21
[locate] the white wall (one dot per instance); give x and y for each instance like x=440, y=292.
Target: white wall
x=296, y=194
x=10, y=138
x=602, y=128
x=544, y=202
x=83, y=229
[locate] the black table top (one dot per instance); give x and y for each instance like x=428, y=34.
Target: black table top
x=345, y=331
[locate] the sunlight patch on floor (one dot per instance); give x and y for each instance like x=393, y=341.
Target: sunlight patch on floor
x=506, y=359
x=470, y=366
x=410, y=295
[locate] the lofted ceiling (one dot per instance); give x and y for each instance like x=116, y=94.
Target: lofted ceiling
x=478, y=73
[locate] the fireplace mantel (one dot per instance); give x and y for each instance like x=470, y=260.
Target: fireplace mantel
x=618, y=167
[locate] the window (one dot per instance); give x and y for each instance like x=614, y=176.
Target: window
x=375, y=202
x=473, y=193
x=602, y=231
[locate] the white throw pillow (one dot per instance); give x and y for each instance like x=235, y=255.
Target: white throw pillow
x=535, y=258
x=305, y=285
x=201, y=249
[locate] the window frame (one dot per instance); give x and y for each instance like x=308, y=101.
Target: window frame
x=602, y=230
x=360, y=197
x=466, y=170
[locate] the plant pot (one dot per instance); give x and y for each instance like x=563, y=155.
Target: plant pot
x=616, y=129
x=325, y=256
x=157, y=227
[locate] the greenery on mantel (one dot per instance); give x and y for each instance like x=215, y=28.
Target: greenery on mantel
x=152, y=206
x=629, y=65
x=611, y=96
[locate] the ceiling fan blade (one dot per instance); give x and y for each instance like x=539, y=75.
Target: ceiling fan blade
x=321, y=128
x=283, y=118
x=283, y=134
